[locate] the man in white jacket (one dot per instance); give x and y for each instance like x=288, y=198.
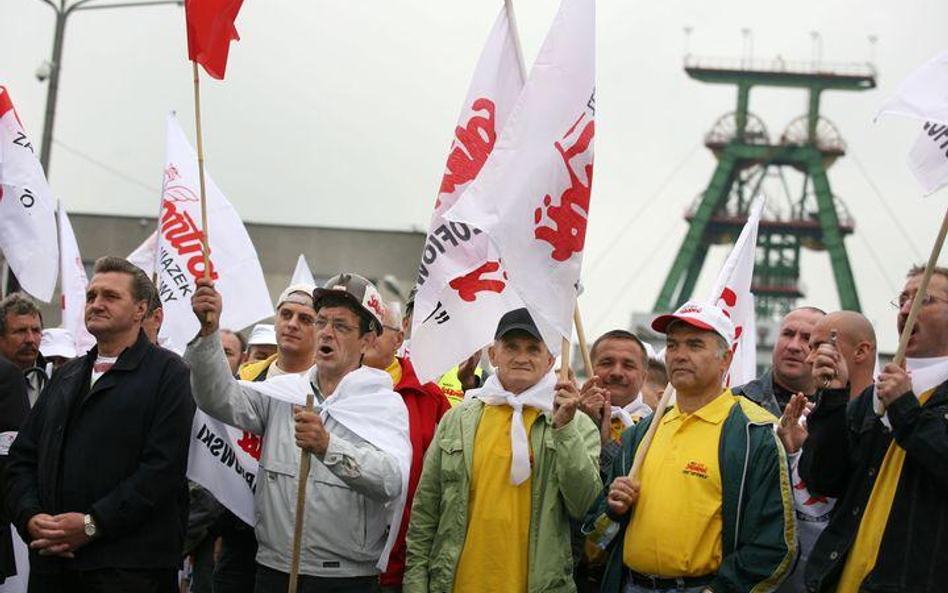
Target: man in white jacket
x=358, y=436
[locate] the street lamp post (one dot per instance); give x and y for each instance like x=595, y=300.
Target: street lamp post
x=62, y=13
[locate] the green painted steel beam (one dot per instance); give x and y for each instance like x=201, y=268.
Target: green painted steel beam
x=717, y=191
x=832, y=237
x=841, y=82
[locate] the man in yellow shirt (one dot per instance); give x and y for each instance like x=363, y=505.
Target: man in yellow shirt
x=506, y=471
x=884, y=455
x=711, y=509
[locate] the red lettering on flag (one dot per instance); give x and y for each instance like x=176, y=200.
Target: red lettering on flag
x=470, y=149
x=470, y=284
x=567, y=235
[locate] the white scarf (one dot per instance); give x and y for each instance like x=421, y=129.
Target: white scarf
x=635, y=407
x=540, y=396
x=365, y=404
x=927, y=373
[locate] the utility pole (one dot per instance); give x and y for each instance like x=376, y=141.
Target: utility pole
x=63, y=10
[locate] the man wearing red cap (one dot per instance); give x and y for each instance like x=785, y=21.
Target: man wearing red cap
x=712, y=504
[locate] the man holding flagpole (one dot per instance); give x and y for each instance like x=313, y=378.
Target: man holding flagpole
x=358, y=437
x=712, y=509
x=884, y=455
x=506, y=471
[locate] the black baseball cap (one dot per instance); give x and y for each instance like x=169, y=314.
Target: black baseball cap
x=518, y=319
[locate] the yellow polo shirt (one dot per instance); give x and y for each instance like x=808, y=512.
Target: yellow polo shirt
x=675, y=530
x=862, y=557
x=496, y=548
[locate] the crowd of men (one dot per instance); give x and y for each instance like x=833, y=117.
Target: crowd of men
x=824, y=474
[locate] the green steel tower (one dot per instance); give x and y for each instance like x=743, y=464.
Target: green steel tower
x=750, y=163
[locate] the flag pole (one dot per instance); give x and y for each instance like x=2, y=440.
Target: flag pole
x=305, y=460
x=920, y=295
x=205, y=248
x=583, y=348
x=650, y=433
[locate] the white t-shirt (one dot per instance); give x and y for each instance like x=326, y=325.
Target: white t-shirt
x=102, y=364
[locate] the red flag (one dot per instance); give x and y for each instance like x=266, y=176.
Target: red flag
x=210, y=31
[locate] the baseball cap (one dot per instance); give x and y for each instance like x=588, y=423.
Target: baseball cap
x=359, y=291
x=262, y=334
x=301, y=294
x=518, y=319
x=57, y=341
x=700, y=315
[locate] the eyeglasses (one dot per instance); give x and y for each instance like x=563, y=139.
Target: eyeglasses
x=392, y=328
x=900, y=301
x=338, y=327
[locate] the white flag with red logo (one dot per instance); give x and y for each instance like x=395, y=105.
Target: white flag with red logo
x=27, y=208
x=234, y=265
x=532, y=196
x=72, y=285
x=462, y=285
x=732, y=292
x=225, y=460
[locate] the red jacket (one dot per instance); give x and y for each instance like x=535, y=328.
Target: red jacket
x=426, y=405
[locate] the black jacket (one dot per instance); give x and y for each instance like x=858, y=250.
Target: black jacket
x=761, y=392
x=118, y=451
x=842, y=456
x=14, y=406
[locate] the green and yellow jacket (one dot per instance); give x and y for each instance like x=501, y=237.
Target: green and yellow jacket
x=758, y=530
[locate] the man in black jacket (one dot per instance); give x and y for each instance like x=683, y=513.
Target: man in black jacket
x=884, y=455
x=14, y=407
x=96, y=477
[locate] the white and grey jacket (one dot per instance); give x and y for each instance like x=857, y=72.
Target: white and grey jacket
x=346, y=523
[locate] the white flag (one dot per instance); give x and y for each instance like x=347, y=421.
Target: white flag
x=72, y=285
x=27, y=208
x=532, y=196
x=302, y=274
x=233, y=259
x=732, y=292
x=924, y=94
x=928, y=159
x=224, y=460
x=462, y=285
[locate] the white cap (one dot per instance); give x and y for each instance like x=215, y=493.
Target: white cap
x=700, y=315
x=57, y=341
x=297, y=293
x=650, y=352
x=262, y=334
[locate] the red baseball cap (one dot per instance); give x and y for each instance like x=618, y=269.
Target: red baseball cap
x=700, y=315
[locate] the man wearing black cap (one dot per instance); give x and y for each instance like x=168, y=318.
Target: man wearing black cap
x=358, y=437
x=506, y=470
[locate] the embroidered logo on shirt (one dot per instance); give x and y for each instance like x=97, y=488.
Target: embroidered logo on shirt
x=694, y=468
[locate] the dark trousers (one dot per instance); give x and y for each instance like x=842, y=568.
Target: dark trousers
x=274, y=581
x=235, y=570
x=105, y=580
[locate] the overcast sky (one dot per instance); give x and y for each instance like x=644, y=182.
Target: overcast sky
x=340, y=113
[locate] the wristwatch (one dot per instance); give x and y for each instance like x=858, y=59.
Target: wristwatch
x=89, y=526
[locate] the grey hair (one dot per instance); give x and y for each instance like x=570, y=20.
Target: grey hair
x=17, y=304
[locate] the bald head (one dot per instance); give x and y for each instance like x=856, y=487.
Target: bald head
x=855, y=341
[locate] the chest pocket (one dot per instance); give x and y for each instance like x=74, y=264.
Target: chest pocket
x=452, y=460
x=280, y=455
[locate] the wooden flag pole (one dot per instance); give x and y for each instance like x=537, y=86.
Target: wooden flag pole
x=920, y=295
x=205, y=247
x=305, y=460
x=564, y=360
x=583, y=347
x=650, y=433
